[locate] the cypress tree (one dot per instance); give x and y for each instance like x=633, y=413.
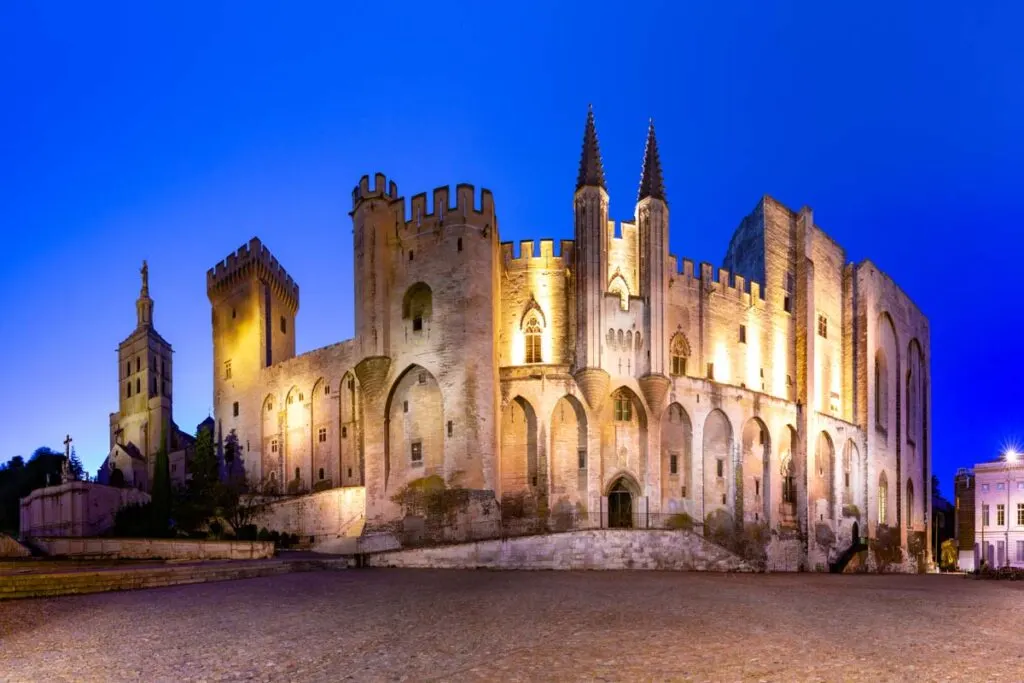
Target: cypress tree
x=162, y=489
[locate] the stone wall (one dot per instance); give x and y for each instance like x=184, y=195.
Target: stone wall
x=153, y=549
x=324, y=515
x=77, y=509
x=594, y=549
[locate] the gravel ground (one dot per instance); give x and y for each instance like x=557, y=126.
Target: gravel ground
x=416, y=625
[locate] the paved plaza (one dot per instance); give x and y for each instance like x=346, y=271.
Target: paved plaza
x=419, y=625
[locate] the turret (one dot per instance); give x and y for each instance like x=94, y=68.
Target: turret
x=652, y=221
x=591, y=257
x=375, y=222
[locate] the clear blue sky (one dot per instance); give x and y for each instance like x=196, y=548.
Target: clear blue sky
x=175, y=132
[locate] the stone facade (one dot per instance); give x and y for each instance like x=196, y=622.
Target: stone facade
x=604, y=376
x=77, y=508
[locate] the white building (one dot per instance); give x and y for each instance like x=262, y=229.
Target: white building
x=998, y=514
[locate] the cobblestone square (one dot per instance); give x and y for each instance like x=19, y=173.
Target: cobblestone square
x=416, y=625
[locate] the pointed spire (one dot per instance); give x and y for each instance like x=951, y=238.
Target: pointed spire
x=591, y=169
x=652, y=184
x=144, y=305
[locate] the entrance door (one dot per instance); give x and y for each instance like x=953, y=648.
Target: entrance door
x=620, y=507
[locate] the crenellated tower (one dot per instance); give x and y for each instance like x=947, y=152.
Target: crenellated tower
x=591, y=265
x=377, y=214
x=254, y=303
x=652, y=221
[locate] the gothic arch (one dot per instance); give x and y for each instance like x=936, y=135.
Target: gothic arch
x=413, y=429
x=350, y=441
x=755, y=460
x=270, y=440
x=823, y=487
x=851, y=472
x=679, y=353
x=323, y=418
x=568, y=453
x=520, y=470
x=624, y=433
x=914, y=391
x=296, y=441
x=883, y=499
x=418, y=304
x=532, y=307
x=676, y=455
x=788, y=477
x=911, y=505
x=719, y=485
x=887, y=363
x=617, y=285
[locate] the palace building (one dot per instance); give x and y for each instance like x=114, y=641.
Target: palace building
x=601, y=377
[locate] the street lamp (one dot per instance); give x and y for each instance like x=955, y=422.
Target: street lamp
x=1009, y=457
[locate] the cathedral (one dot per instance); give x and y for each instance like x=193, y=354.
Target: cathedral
x=601, y=377
x=144, y=422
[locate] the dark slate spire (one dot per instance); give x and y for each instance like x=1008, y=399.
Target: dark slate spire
x=652, y=184
x=591, y=169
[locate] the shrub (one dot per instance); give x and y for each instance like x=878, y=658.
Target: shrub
x=851, y=511
x=680, y=520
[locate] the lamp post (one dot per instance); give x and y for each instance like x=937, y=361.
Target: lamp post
x=1010, y=457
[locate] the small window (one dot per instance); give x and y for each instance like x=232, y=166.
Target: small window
x=234, y=409
x=350, y=471
x=327, y=388
x=298, y=473
x=460, y=244
x=273, y=445
x=411, y=255
x=623, y=409
x=711, y=370
x=301, y=397
x=128, y=393
x=720, y=468
x=423, y=378
x=284, y=325
x=757, y=487
x=416, y=452
x=787, y=304
x=234, y=313
x=743, y=334
x=138, y=364
x=138, y=386
x=321, y=473
x=227, y=369
x=405, y=406
x=351, y=385
x=533, y=338
x=127, y=368
x=823, y=327
x=450, y=428
x=984, y=487
x=723, y=499
x=417, y=324
x=673, y=464
x=1000, y=486
x=581, y=458
x=344, y=432
x=270, y=406
x=321, y=436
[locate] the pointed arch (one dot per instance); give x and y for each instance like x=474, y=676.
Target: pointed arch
x=823, y=482
x=520, y=471
x=271, y=461
x=679, y=353
x=719, y=486
x=323, y=418
x=788, y=479
x=296, y=441
x=414, y=428
x=676, y=455
x=568, y=452
x=418, y=305
x=755, y=459
x=883, y=499
x=532, y=307
x=914, y=391
x=886, y=370
x=624, y=433
x=911, y=512
x=851, y=471
x=351, y=471
x=617, y=285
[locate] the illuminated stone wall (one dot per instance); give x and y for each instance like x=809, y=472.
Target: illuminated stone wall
x=469, y=362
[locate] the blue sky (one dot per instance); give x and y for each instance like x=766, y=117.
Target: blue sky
x=177, y=132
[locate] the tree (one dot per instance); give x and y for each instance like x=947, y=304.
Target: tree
x=161, y=496
x=19, y=477
x=75, y=466
x=196, y=502
x=240, y=504
x=233, y=469
x=950, y=554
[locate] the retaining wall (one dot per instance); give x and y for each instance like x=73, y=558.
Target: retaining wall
x=155, y=548
x=592, y=549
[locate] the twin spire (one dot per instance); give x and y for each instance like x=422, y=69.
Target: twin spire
x=652, y=183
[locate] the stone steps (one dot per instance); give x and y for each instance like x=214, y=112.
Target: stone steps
x=77, y=580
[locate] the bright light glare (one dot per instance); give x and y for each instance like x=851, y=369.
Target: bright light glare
x=1011, y=455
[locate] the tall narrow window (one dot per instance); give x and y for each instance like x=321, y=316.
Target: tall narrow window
x=623, y=408
x=1000, y=514
x=743, y=334
x=883, y=500
x=227, y=369
x=822, y=326
x=678, y=352
x=673, y=463
x=581, y=458
x=284, y=325
x=533, y=336
x=234, y=409
x=321, y=436
x=416, y=452
x=984, y=515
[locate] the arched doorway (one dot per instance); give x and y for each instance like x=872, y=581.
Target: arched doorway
x=620, y=506
x=856, y=533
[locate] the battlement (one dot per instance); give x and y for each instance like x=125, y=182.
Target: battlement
x=252, y=260
x=530, y=257
x=382, y=189
x=722, y=281
x=418, y=214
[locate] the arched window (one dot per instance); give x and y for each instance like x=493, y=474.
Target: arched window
x=881, y=391
x=533, y=338
x=679, y=350
x=417, y=305
x=611, y=338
